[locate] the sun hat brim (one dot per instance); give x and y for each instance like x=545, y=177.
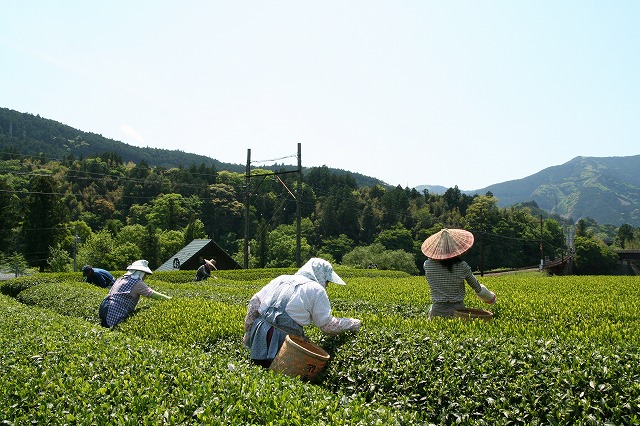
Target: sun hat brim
x=140, y=265
x=447, y=243
x=336, y=279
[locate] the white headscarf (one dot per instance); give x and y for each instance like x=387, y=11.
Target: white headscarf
x=320, y=271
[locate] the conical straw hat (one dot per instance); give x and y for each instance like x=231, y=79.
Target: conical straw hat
x=447, y=243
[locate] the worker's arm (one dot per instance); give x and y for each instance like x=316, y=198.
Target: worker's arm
x=159, y=296
x=322, y=318
x=252, y=313
x=340, y=325
x=486, y=295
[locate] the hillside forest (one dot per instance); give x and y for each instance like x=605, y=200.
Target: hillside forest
x=58, y=214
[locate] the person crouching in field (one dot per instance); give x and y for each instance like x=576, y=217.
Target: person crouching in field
x=446, y=272
x=204, y=271
x=286, y=305
x=125, y=294
x=96, y=276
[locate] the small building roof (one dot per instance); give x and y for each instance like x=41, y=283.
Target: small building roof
x=192, y=256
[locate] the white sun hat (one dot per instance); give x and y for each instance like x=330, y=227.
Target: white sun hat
x=140, y=265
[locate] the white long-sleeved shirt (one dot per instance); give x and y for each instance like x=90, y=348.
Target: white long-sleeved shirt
x=308, y=304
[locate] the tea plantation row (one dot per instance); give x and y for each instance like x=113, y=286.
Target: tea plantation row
x=560, y=350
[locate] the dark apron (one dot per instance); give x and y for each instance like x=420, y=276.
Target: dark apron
x=102, y=311
x=444, y=309
x=269, y=331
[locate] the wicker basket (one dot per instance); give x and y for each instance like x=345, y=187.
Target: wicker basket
x=473, y=313
x=300, y=357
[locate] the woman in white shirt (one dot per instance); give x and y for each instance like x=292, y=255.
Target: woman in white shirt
x=286, y=305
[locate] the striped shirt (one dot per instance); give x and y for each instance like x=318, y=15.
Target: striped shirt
x=448, y=286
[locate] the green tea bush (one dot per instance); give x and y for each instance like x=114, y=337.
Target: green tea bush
x=560, y=350
x=188, y=322
x=14, y=286
x=65, y=297
x=62, y=370
x=223, y=289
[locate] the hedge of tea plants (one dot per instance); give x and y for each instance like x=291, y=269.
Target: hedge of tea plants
x=560, y=350
x=60, y=369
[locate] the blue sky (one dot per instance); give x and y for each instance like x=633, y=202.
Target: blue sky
x=467, y=93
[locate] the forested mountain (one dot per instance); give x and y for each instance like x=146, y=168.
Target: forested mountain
x=32, y=135
x=66, y=194
x=606, y=189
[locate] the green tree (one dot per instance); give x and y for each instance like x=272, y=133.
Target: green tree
x=138, y=214
x=624, y=236
x=169, y=211
x=59, y=260
x=375, y=255
x=44, y=224
x=396, y=238
x=123, y=255
x=367, y=225
x=337, y=247
x=195, y=229
x=171, y=242
x=455, y=199
x=134, y=234
x=582, y=228
x=150, y=247
x=14, y=263
x=338, y=213
x=225, y=211
x=9, y=214
x=282, y=247
x=143, y=182
x=395, y=206
x=593, y=257
x=554, y=237
x=328, y=221
x=96, y=250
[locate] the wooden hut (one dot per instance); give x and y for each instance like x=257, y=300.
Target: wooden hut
x=192, y=256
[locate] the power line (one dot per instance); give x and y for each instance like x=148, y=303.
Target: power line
x=275, y=159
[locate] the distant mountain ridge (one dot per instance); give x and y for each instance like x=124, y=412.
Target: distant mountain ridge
x=606, y=189
x=29, y=134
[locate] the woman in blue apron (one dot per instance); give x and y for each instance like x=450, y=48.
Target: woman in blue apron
x=289, y=303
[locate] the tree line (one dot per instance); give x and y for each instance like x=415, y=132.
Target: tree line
x=60, y=213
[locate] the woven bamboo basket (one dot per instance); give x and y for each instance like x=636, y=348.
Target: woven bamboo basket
x=300, y=357
x=468, y=314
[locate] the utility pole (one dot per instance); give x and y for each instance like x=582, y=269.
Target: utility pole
x=75, y=248
x=482, y=242
x=298, y=212
x=247, y=180
x=541, y=251
x=247, y=184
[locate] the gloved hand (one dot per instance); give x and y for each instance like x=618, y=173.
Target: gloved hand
x=340, y=325
x=355, y=324
x=486, y=295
